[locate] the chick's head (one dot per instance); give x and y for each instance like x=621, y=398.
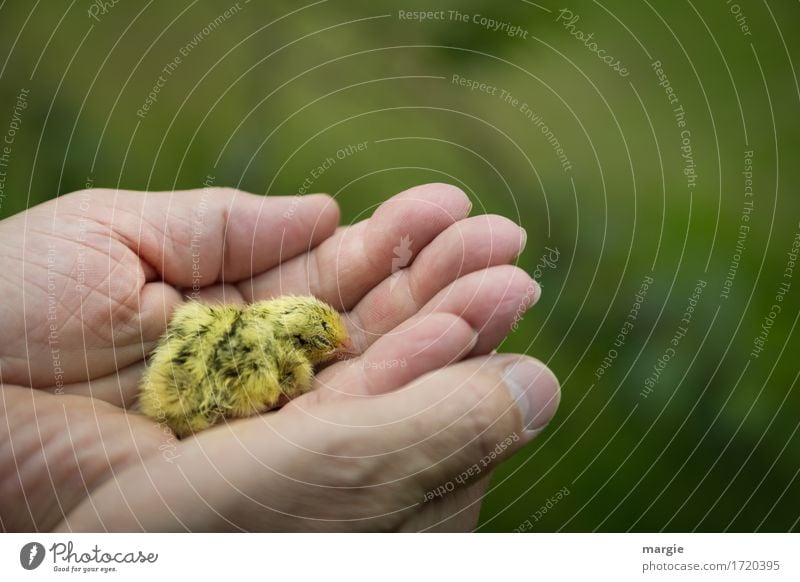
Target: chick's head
x=316, y=328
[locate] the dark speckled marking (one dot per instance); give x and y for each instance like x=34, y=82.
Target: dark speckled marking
x=237, y=320
x=216, y=361
x=184, y=353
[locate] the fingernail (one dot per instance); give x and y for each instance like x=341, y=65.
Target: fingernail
x=471, y=345
x=523, y=240
x=534, y=293
x=535, y=391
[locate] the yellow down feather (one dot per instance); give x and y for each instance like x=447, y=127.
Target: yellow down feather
x=222, y=361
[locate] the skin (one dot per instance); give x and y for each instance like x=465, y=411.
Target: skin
x=101, y=271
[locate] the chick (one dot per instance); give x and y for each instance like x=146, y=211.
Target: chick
x=221, y=361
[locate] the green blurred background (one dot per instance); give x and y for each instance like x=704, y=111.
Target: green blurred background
x=273, y=89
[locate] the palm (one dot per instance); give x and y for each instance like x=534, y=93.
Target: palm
x=123, y=261
x=43, y=271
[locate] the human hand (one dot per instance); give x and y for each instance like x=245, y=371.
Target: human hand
x=134, y=254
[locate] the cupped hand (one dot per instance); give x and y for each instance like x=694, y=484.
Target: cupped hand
x=90, y=282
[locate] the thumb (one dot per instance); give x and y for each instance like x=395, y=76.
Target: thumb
x=214, y=234
x=449, y=427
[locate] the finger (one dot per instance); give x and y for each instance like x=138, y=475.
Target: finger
x=345, y=267
x=441, y=432
x=491, y=301
x=200, y=237
x=465, y=247
x=415, y=348
x=293, y=471
x=220, y=293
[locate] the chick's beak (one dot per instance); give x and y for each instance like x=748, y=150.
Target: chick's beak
x=346, y=347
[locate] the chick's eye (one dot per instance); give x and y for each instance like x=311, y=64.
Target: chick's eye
x=324, y=325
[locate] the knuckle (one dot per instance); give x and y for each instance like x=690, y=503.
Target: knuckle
x=495, y=222
x=363, y=473
x=213, y=193
x=483, y=414
x=439, y=324
x=222, y=191
x=445, y=187
x=343, y=456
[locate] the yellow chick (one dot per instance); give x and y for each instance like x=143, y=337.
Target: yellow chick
x=221, y=361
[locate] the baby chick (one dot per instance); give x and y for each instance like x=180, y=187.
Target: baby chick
x=222, y=361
